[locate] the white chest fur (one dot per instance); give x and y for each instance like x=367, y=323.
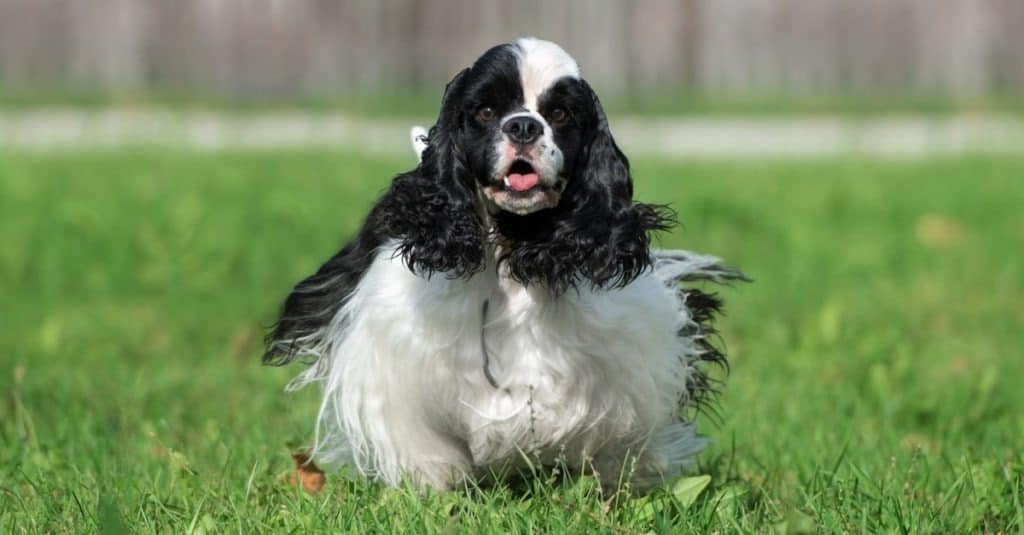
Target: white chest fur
x=591, y=376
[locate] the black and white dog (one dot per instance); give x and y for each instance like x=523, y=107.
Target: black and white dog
x=502, y=305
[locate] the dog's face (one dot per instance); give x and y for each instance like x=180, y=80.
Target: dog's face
x=521, y=156
x=523, y=111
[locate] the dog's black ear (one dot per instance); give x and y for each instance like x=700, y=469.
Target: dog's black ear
x=608, y=223
x=442, y=157
x=433, y=209
x=598, y=235
x=429, y=210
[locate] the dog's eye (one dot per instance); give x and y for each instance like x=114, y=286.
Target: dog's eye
x=485, y=114
x=559, y=116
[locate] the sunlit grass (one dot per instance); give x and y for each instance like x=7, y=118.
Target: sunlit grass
x=876, y=360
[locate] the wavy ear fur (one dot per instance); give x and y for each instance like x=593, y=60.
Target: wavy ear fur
x=597, y=235
x=433, y=209
x=430, y=210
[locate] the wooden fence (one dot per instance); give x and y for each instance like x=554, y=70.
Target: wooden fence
x=285, y=48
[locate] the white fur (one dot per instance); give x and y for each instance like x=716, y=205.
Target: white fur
x=418, y=137
x=541, y=64
x=593, y=378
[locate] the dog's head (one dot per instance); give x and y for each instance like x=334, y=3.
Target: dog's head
x=523, y=150
x=524, y=111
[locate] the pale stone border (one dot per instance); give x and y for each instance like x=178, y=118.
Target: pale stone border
x=895, y=136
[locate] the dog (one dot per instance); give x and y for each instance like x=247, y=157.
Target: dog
x=501, y=306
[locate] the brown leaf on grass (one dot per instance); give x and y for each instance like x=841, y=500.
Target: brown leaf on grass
x=311, y=477
x=19, y=374
x=937, y=230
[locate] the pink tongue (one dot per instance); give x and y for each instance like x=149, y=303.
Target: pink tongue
x=521, y=182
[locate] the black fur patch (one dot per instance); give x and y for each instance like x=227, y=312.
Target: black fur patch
x=701, y=389
x=596, y=247
x=597, y=235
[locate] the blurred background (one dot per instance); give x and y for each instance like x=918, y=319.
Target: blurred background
x=350, y=59
x=169, y=168
x=931, y=53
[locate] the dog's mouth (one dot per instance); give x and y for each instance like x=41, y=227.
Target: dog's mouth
x=521, y=176
x=521, y=190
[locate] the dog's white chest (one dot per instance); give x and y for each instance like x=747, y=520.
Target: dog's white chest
x=574, y=375
x=564, y=375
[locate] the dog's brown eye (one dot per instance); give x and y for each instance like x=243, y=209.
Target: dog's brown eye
x=485, y=114
x=559, y=116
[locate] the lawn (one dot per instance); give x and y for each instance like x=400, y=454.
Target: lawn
x=876, y=380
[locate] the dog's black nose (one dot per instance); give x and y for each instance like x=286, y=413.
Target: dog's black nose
x=523, y=130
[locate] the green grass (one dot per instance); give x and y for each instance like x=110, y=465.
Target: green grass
x=876, y=361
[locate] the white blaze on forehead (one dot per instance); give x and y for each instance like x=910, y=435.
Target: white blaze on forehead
x=541, y=64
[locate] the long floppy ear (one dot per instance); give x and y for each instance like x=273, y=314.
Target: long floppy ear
x=442, y=158
x=598, y=235
x=617, y=227
x=432, y=209
x=429, y=210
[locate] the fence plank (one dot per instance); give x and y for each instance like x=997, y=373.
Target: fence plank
x=254, y=48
